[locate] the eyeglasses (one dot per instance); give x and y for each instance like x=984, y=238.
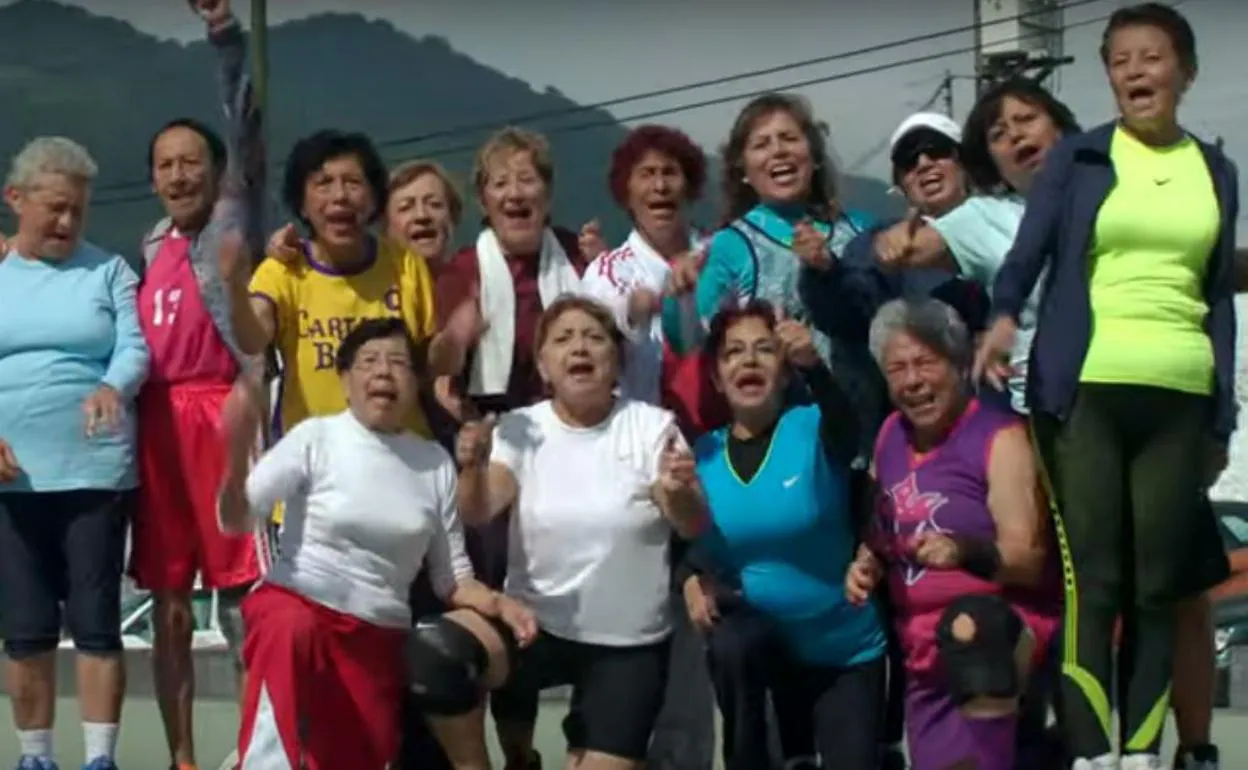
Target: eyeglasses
x=369, y=364
x=907, y=156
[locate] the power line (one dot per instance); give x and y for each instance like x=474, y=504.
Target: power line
x=698, y=85
x=758, y=92
x=575, y=128
x=882, y=145
x=668, y=91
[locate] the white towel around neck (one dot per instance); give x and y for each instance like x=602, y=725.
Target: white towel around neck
x=491, y=365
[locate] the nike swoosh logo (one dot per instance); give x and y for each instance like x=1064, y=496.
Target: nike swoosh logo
x=790, y=482
x=1160, y=182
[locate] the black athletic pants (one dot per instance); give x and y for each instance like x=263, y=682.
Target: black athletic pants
x=1125, y=470
x=836, y=712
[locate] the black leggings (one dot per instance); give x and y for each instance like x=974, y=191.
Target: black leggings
x=835, y=712
x=1125, y=471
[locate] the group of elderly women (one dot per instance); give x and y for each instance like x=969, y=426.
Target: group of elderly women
x=558, y=458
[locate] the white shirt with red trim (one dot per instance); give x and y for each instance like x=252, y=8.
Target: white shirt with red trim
x=611, y=279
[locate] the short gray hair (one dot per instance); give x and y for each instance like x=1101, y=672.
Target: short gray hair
x=928, y=320
x=51, y=155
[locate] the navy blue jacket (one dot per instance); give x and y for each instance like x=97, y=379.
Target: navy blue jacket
x=873, y=286
x=1057, y=230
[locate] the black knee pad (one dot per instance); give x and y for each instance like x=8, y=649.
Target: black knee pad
x=446, y=664
x=984, y=666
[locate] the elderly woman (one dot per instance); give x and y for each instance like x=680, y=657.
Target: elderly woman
x=337, y=185
x=1131, y=383
x=785, y=525
x=72, y=358
x=656, y=175
x=423, y=208
x=519, y=265
x=960, y=538
x=599, y=485
x=366, y=502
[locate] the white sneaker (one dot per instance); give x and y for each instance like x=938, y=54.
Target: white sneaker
x=1142, y=762
x=1103, y=762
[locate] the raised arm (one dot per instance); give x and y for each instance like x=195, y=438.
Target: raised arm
x=676, y=488
x=245, y=179
x=726, y=276
x=247, y=496
x=487, y=475
x=1037, y=235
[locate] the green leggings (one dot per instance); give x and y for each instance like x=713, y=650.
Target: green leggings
x=1125, y=471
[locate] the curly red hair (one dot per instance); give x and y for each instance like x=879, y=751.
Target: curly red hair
x=669, y=141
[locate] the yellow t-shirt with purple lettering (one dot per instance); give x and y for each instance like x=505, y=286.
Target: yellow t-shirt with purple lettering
x=316, y=307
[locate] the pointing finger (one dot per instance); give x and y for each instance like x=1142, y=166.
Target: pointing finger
x=914, y=221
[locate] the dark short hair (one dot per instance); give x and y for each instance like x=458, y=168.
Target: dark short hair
x=312, y=152
x=375, y=329
x=976, y=158
x=217, y=153
x=729, y=316
x=671, y=142
x=1174, y=24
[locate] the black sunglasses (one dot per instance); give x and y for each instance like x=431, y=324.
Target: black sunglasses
x=937, y=147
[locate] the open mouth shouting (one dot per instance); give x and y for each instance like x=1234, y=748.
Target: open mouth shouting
x=517, y=215
x=581, y=371
x=751, y=384
x=341, y=222
x=382, y=393
x=662, y=210
x=1141, y=98
x=920, y=404
x=932, y=183
x=422, y=234
x=784, y=173
x=1028, y=156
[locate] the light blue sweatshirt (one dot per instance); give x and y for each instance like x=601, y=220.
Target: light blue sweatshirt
x=66, y=328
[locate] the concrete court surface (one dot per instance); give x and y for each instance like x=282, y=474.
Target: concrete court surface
x=142, y=743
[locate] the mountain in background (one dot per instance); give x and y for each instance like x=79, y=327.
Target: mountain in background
x=109, y=86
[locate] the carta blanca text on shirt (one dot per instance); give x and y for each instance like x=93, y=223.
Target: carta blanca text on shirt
x=325, y=334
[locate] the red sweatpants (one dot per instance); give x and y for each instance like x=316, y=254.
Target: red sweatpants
x=323, y=688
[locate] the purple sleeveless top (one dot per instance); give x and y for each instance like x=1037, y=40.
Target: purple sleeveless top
x=945, y=490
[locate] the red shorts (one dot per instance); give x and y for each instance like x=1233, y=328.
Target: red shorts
x=181, y=459
x=323, y=688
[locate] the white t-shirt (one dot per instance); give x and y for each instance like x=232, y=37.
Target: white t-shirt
x=611, y=279
x=588, y=546
x=362, y=511
x=979, y=234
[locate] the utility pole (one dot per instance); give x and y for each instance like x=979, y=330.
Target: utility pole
x=260, y=53
x=978, y=21
x=947, y=87
x=1017, y=38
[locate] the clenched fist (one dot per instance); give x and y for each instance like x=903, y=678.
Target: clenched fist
x=475, y=440
x=811, y=246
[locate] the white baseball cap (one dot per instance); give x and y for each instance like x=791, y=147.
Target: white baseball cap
x=929, y=121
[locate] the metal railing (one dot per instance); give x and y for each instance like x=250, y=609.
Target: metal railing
x=137, y=624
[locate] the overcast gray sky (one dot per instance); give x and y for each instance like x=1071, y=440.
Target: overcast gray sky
x=594, y=50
